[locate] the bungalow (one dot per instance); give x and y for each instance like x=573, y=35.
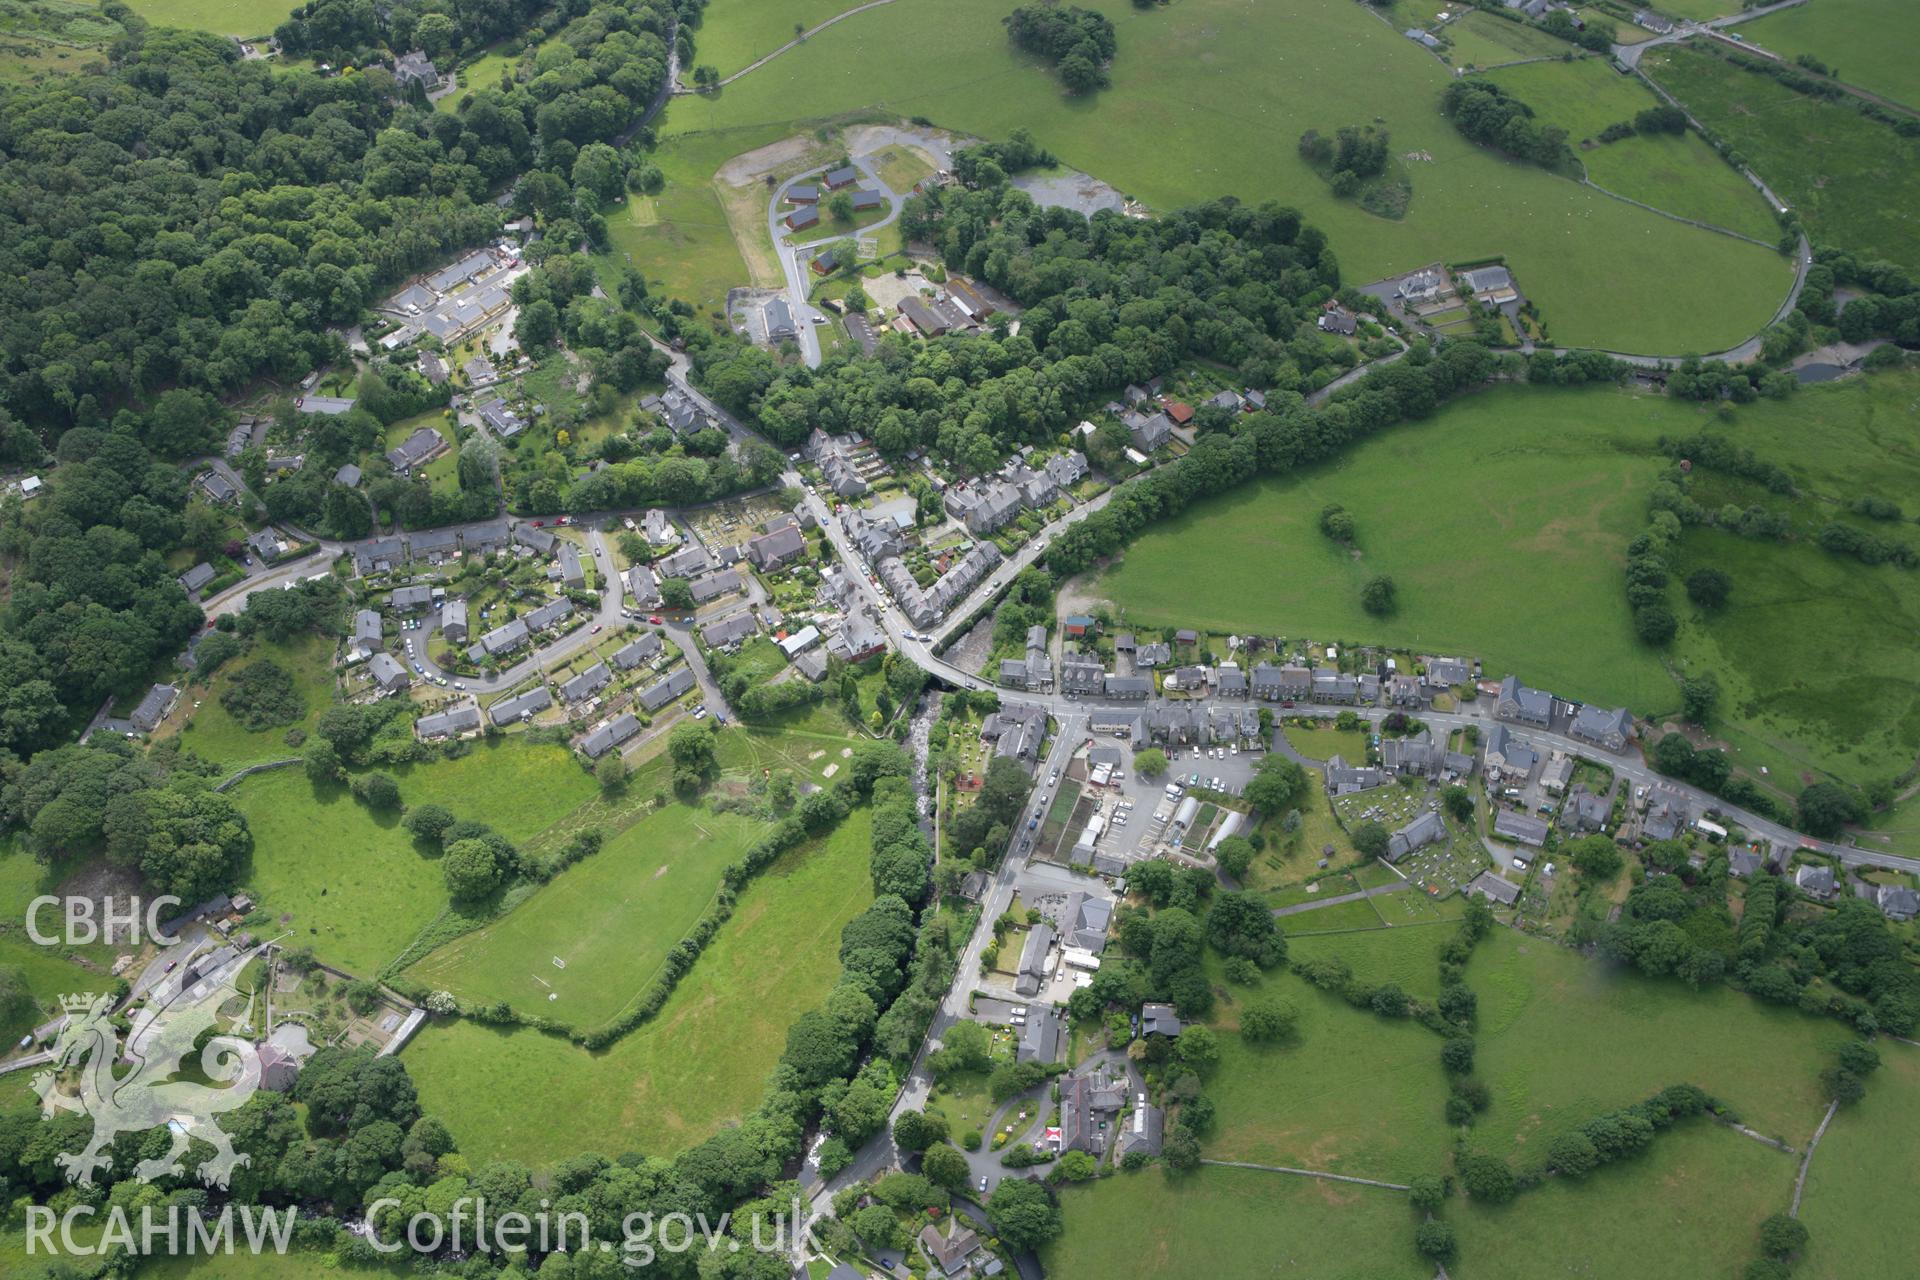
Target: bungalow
x=1422, y=831
x=610, y=735
x=216, y=487
x=1494, y=888
x=523, y=707
x=418, y=449
x=1159, y=1020
x=501, y=419
x=729, y=632
x=268, y=545
x=368, y=632
x=812, y=664
x=1528, y=706
x=1743, y=864
x=642, y=587
x=1897, y=901
x=845, y=175
x=803, y=193
x=388, y=674
x=1492, y=285
x=867, y=198
x=776, y=550
x=453, y=621
x=1816, y=880
x=1521, y=828
x=448, y=724
x=197, y=577
x=1339, y=320
x=661, y=692
x=587, y=683
x=803, y=218
x=645, y=649
x=154, y=707
x=1609, y=730
x=1653, y=22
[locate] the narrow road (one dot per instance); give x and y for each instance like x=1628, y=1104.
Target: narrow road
x=1309, y=1173
x=795, y=258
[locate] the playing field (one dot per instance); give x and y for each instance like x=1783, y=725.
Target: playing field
x=1869, y=43
x=1225, y=89
x=1854, y=181
x=223, y=17
x=518, y=1094
x=1352, y=1093
x=1233, y=1224
x=589, y=943
x=1862, y=1178
x=1562, y=1039
x=1503, y=520
x=1688, y=1209
x=1681, y=175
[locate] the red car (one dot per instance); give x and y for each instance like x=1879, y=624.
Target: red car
x=536, y=524
x=654, y=618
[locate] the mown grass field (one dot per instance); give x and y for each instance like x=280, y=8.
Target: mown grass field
x=1868, y=43
x=1325, y=743
x=518, y=1094
x=1687, y=1209
x=1862, y=1176
x=1233, y=1224
x=1351, y=1093
x=1225, y=90
x=1408, y=957
x=1682, y=175
x=1854, y=181
x=1562, y=1039
x=213, y=734
x=611, y=919
x=222, y=17
x=1502, y=521
x=1482, y=40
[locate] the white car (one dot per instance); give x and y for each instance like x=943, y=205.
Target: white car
x=1018, y=1011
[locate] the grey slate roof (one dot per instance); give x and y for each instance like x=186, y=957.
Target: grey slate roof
x=512, y=709
x=587, y=683
x=643, y=650
x=661, y=692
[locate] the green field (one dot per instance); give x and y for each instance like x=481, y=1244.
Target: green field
x=518, y=1094
x=736, y=32
x=256, y=1266
x=1868, y=43
x=215, y=735
x=1352, y=1093
x=1482, y=40
x=1233, y=1224
x=51, y=972
x=610, y=919
x=1862, y=1176
x=1225, y=89
x=222, y=17
x=1688, y=1209
x=1324, y=743
x=1503, y=518
x=1681, y=174
x=1407, y=957
x=1854, y=181
x=336, y=878
x=1562, y=1038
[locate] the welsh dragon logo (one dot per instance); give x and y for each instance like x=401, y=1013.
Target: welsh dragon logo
x=162, y=1035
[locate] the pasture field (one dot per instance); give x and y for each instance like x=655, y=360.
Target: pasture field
x=611, y=919
x=1407, y=957
x=1689, y=1207
x=1562, y=1039
x=1319, y=743
x=213, y=734
x=1482, y=40
x=356, y=889
x=1868, y=43
x=1853, y=180
x=1233, y=1224
x=511, y=1093
x=241, y=1265
x=50, y=972
x=732, y=35
x=222, y=17
x=1502, y=520
x=1226, y=89
x=518, y=788
x=1862, y=1175
x=1350, y=1093
x=1682, y=175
